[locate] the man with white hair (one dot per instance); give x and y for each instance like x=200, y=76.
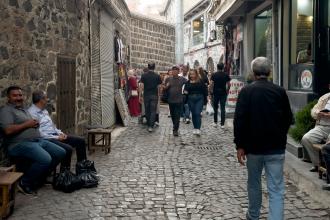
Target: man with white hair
x=262, y=119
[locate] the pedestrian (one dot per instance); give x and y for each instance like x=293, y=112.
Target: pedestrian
x=150, y=82
x=185, y=107
x=262, y=120
x=173, y=87
x=203, y=75
x=220, y=84
x=196, y=92
x=168, y=75
x=133, y=100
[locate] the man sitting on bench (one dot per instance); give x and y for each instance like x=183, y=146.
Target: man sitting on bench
x=49, y=131
x=320, y=133
x=22, y=138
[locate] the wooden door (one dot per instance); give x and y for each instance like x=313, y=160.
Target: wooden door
x=66, y=94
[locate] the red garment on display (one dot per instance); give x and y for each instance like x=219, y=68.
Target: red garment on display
x=133, y=101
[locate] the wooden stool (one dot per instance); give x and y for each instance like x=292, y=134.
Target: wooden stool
x=8, y=183
x=322, y=168
x=99, y=137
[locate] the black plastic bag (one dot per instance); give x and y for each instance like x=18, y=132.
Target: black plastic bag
x=67, y=182
x=87, y=173
x=89, y=179
x=85, y=166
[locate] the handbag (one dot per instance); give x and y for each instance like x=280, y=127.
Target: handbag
x=134, y=93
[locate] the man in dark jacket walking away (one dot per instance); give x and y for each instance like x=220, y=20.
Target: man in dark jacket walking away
x=220, y=84
x=173, y=87
x=262, y=119
x=150, y=82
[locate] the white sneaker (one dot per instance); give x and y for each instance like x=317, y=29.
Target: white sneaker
x=198, y=132
x=194, y=131
x=215, y=125
x=222, y=126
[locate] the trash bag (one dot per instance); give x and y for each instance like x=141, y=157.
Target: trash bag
x=85, y=166
x=89, y=179
x=87, y=173
x=67, y=182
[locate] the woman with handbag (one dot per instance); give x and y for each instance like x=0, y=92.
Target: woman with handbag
x=133, y=101
x=196, y=91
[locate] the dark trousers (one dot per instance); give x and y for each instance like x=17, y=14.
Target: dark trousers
x=222, y=99
x=175, y=111
x=326, y=156
x=67, y=144
x=150, y=105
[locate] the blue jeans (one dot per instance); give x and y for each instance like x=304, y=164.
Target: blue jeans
x=195, y=103
x=273, y=165
x=185, y=111
x=43, y=154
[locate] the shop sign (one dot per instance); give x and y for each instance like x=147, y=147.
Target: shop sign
x=306, y=79
x=235, y=88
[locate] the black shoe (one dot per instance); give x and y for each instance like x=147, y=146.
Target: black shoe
x=326, y=187
x=314, y=169
x=175, y=133
x=26, y=190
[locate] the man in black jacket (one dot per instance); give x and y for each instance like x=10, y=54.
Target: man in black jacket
x=262, y=119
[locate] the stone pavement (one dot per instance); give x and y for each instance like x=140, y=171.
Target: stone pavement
x=157, y=176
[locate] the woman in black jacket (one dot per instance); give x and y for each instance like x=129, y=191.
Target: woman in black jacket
x=196, y=91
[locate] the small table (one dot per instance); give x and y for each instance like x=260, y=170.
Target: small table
x=99, y=138
x=8, y=183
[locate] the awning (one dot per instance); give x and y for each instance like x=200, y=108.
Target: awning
x=236, y=8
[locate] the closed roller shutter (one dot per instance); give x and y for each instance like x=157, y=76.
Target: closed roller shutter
x=107, y=73
x=96, y=111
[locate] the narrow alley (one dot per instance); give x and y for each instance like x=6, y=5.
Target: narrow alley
x=158, y=176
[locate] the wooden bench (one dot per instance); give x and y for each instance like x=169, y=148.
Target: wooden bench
x=8, y=188
x=99, y=138
x=322, y=168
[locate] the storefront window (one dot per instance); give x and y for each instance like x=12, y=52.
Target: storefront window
x=301, y=60
x=198, y=30
x=263, y=34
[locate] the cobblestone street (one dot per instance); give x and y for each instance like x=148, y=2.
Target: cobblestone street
x=157, y=176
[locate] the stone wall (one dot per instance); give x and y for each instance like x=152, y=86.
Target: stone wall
x=33, y=35
x=152, y=41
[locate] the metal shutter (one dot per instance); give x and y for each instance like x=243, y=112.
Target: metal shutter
x=96, y=111
x=107, y=73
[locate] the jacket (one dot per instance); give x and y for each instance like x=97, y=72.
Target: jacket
x=262, y=118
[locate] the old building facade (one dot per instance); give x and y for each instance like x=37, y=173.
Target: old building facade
x=43, y=46
x=152, y=41
x=67, y=49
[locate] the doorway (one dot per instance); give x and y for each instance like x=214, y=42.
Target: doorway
x=66, y=94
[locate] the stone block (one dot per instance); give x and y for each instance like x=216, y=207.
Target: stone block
x=4, y=53
x=30, y=25
x=19, y=22
x=42, y=28
x=27, y=6
x=13, y=3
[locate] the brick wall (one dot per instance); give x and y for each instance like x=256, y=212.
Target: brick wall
x=152, y=41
